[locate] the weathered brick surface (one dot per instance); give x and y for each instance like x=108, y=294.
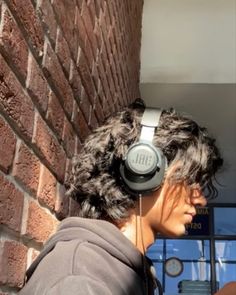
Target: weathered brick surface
x=81, y=124
x=65, y=66
x=26, y=169
x=75, y=82
x=37, y=85
x=12, y=263
x=68, y=139
x=55, y=114
x=15, y=48
x=47, y=188
x=46, y=14
x=54, y=72
x=65, y=12
x=85, y=75
x=11, y=205
x=63, y=52
x=7, y=146
x=40, y=225
x=25, y=13
x=49, y=148
x=62, y=203
x=14, y=103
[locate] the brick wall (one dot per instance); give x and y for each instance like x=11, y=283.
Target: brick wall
x=65, y=65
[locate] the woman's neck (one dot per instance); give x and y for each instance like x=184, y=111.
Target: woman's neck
x=138, y=232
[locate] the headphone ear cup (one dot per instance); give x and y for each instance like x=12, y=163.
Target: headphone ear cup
x=144, y=165
x=143, y=169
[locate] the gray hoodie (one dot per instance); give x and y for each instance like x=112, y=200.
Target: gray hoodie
x=89, y=257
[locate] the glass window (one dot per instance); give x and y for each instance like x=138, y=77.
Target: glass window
x=155, y=252
x=225, y=226
x=225, y=250
x=192, y=271
x=187, y=249
x=225, y=261
x=194, y=255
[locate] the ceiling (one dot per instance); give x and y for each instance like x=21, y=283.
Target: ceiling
x=188, y=61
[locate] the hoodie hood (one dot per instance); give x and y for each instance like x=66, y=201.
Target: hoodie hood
x=99, y=232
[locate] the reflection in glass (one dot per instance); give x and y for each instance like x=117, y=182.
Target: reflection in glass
x=187, y=249
x=194, y=255
x=225, y=261
x=225, y=226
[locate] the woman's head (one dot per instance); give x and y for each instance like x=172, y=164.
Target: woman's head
x=95, y=180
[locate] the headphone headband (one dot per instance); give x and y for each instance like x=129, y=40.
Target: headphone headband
x=149, y=122
x=151, y=117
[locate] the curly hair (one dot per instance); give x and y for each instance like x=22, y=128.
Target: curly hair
x=95, y=182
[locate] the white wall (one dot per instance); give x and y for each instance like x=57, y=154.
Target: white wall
x=189, y=41
x=211, y=105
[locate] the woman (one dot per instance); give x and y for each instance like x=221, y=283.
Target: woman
x=142, y=173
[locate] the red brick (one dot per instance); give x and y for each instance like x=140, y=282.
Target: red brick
x=11, y=205
x=63, y=52
x=108, y=13
x=93, y=122
x=85, y=105
x=81, y=31
x=95, y=76
x=62, y=204
x=13, y=257
x=99, y=4
x=93, y=11
x=25, y=13
x=68, y=139
x=81, y=125
x=14, y=103
x=55, y=114
x=79, y=146
x=103, y=78
x=85, y=75
x=75, y=82
x=114, y=75
x=47, y=188
x=98, y=110
x=110, y=80
x=55, y=73
x=79, y=4
x=104, y=57
x=65, y=12
x=14, y=45
x=68, y=170
x=26, y=169
x=89, y=26
x=40, y=225
x=108, y=47
x=49, y=148
x=98, y=34
x=102, y=24
x=7, y=146
x=88, y=54
x=103, y=102
x=37, y=85
x=48, y=19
